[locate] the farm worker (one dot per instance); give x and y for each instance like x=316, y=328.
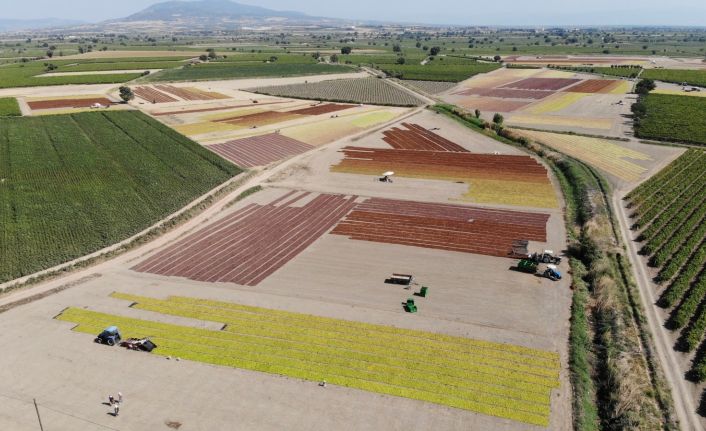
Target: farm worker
x=120, y=397
x=111, y=400
x=116, y=408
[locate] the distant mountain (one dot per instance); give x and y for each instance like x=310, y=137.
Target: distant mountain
x=31, y=24
x=209, y=9
x=214, y=15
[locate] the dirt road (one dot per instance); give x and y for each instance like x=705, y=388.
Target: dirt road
x=683, y=403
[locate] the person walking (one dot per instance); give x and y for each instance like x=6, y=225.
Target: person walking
x=120, y=397
x=116, y=408
x=111, y=400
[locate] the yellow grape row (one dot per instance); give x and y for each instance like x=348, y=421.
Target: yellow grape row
x=556, y=102
x=289, y=317
x=520, y=193
x=337, y=366
x=371, y=343
x=602, y=153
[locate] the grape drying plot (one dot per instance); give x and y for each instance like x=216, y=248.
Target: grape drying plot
x=364, y=90
x=249, y=245
x=670, y=212
x=494, y=379
x=443, y=227
x=604, y=154
x=82, y=182
x=506, y=179
x=259, y=150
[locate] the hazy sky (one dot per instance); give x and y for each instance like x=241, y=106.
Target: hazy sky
x=497, y=12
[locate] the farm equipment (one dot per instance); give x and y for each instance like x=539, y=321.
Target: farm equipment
x=142, y=344
x=109, y=336
x=528, y=266
x=386, y=177
x=547, y=256
x=410, y=306
x=423, y=292
x=552, y=273
x=402, y=279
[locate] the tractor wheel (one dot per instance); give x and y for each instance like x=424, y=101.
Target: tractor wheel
x=110, y=342
x=545, y=259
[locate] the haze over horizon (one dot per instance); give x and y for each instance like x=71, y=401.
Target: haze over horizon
x=452, y=12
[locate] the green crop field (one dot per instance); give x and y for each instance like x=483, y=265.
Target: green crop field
x=678, y=76
x=670, y=210
x=247, y=70
x=495, y=379
x=373, y=91
x=438, y=71
x=77, y=183
x=673, y=118
x=25, y=75
x=9, y=107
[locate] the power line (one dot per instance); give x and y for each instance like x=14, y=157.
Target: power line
x=34, y=401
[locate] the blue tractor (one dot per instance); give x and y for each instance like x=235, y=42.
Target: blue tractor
x=552, y=273
x=109, y=336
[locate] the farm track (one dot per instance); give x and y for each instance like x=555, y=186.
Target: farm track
x=681, y=395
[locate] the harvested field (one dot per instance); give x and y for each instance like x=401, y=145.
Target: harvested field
x=248, y=245
x=259, y=150
x=373, y=118
x=492, y=104
x=497, y=379
x=542, y=83
x=214, y=108
x=261, y=118
x=364, y=90
x=513, y=180
x=604, y=154
x=417, y=137
x=506, y=93
x=594, y=86
x=553, y=120
x=189, y=94
x=151, y=95
x=326, y=131
x=69, y=103
x=204, y=127
x=324, y=108
x=445, y=227
x=555, y=103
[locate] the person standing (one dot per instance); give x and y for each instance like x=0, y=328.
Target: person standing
x=116, y=408
x=120, y=397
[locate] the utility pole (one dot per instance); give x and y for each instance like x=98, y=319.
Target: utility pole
x=39, y=418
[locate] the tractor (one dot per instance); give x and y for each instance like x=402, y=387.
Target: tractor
x=552, y=273
x=547, y=256
x=109, y=336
